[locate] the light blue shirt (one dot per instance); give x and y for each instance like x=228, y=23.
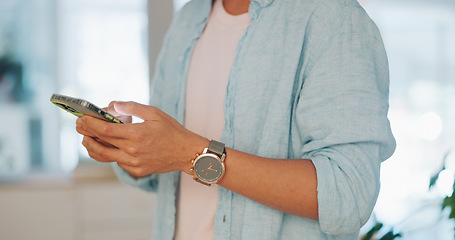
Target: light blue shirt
x=309, y=80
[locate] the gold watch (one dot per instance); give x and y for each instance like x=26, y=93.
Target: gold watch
x=208, y=167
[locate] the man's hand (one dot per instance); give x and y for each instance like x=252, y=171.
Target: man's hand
x=159, y=144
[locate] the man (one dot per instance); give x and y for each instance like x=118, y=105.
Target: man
x=303, y=129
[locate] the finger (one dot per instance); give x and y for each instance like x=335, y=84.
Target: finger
x=124, y=118
x=82, y=130
x=91, y=145
x=110, y=108
x=142, y=111
x=106, y=144
x=102, y=129
x=135, y=172
x=101, y=153
x=102, y=134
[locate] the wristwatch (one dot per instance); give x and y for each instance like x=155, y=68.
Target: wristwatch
x=208, y=167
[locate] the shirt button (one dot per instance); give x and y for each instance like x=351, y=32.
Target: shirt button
x=180, y=58
x=224, y=218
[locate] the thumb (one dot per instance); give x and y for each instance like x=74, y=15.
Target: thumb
x=132, y=109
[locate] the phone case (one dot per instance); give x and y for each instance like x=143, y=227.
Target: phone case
x=79, y=107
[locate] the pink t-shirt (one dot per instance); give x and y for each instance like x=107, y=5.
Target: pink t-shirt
x=206, y=85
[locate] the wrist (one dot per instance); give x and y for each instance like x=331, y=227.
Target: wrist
x=194, y=147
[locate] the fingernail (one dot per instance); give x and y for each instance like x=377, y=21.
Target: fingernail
x=118, y=104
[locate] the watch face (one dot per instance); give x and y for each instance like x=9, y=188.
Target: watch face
x=208, y=168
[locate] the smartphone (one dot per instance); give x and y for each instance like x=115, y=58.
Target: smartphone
x=80, y=107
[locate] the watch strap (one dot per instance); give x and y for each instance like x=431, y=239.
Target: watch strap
x=206, y=184
x=216, y=147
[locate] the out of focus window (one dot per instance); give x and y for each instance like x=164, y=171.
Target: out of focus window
x=29, y=130
x=103, y=57
x=419, y=38
x=92, y=49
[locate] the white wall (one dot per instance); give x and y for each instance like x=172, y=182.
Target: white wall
x=160, y=17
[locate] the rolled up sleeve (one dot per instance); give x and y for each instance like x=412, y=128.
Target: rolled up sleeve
x=342, y=122
x=148, y=183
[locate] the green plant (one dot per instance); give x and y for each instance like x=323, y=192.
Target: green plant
x=448, y=201
x=390, y=235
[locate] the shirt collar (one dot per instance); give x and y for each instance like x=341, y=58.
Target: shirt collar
x=255, y=7
x=263, y=3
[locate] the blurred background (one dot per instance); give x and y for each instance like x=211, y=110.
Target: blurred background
x=104, y=50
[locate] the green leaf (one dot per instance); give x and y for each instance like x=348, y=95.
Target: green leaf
x=450, y=202
x=435, y=178
x=369, y=235
x=390, y=236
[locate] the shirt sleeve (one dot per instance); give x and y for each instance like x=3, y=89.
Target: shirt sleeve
x=148, y=183
x=342, y=119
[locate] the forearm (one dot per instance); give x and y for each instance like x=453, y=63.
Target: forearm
x=149, y=147
x=288, y=185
